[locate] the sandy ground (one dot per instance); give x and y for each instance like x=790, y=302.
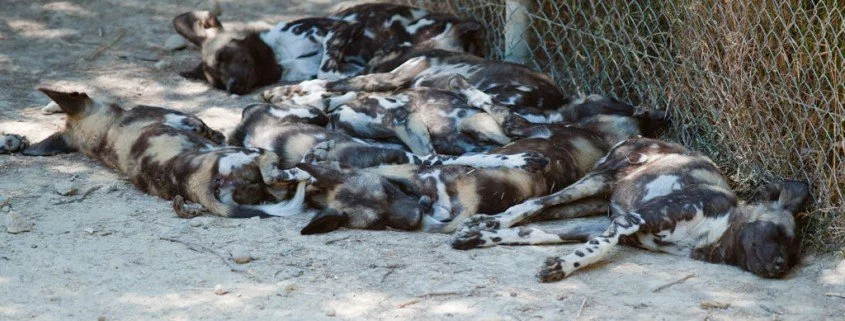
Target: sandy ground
x=104, y=257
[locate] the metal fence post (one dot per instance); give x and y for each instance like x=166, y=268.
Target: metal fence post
x=516, y=30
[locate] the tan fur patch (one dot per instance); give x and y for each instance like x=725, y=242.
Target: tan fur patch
x=710, y=177
x=585, y=153
x=297, y=146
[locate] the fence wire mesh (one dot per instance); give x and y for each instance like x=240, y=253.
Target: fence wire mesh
x=757, y=85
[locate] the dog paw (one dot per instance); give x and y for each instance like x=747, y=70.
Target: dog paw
x=552, y=270
x=305, y=90
x=467, y=239
x=481, y=222
x=319, y=152
x=12, y=143
x=186, y=209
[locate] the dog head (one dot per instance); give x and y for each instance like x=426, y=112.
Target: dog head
x=234, y=61
x=613, y=119
x=440, y=31
x=363, y=200
x=85, y=127
x=766, y=239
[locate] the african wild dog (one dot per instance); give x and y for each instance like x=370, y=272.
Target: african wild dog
x=438, y=198
x=663, y=197
x=529, y=93
x=298, y=132
x=331, y=48
x=169, y=154
x=426, y=120
x=12, y=143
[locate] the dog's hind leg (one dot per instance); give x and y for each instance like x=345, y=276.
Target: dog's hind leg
x=595, y=183
x=592, y=206
x=622, y=224
x=414, y=134
x=400, y=77
x=526, y=235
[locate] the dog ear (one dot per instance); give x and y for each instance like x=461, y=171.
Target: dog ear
x=326, y=177
x=793, y=195
x=652, y=122
x=195, y=73
x=470, y=28
x=53, y=145
x=325, y=221
x=790, y=195
x=71, y=103
x=197, y=26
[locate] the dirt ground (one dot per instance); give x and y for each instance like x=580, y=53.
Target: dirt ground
x=103, y=256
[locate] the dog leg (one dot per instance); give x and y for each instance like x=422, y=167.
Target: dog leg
x=525, y=235
x=483, y=127
x=309, y=93
x=532, y=162
x=400, y=77
x=587, y=207
x=414, y=133
x=557, y=268
x=479, y=99
x=593, y=184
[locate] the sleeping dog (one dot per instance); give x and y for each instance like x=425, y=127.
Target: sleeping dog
x=438, y=198
x=298, y=132
x=171, y=154
x=531, y=94
x=664, y=198
x=330, y=48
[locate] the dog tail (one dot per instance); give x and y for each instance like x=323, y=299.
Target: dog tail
x=289, y=207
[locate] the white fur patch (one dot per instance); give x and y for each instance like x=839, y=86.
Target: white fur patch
x=698, y=232
x=661, y=186
x=234, y=160
x=443, y=204
x=416, y=25
x=291, y=111
x=289, y=46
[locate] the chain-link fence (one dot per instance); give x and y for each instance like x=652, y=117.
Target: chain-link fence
x=757, y=85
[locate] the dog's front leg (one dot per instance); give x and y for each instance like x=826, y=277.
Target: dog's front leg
x=557, y=268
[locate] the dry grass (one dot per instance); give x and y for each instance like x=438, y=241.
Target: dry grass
x=757, y=86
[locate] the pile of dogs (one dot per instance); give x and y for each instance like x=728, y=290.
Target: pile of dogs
x=390, y=118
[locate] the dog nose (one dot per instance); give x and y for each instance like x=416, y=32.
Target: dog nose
x=780, y=264
x=230, y=84
x=426, y=203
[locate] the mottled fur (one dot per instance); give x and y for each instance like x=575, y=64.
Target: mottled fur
x=454, y=193
x=527, y=92
x=332, y=47
x=167, y=153
x=663, y=197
